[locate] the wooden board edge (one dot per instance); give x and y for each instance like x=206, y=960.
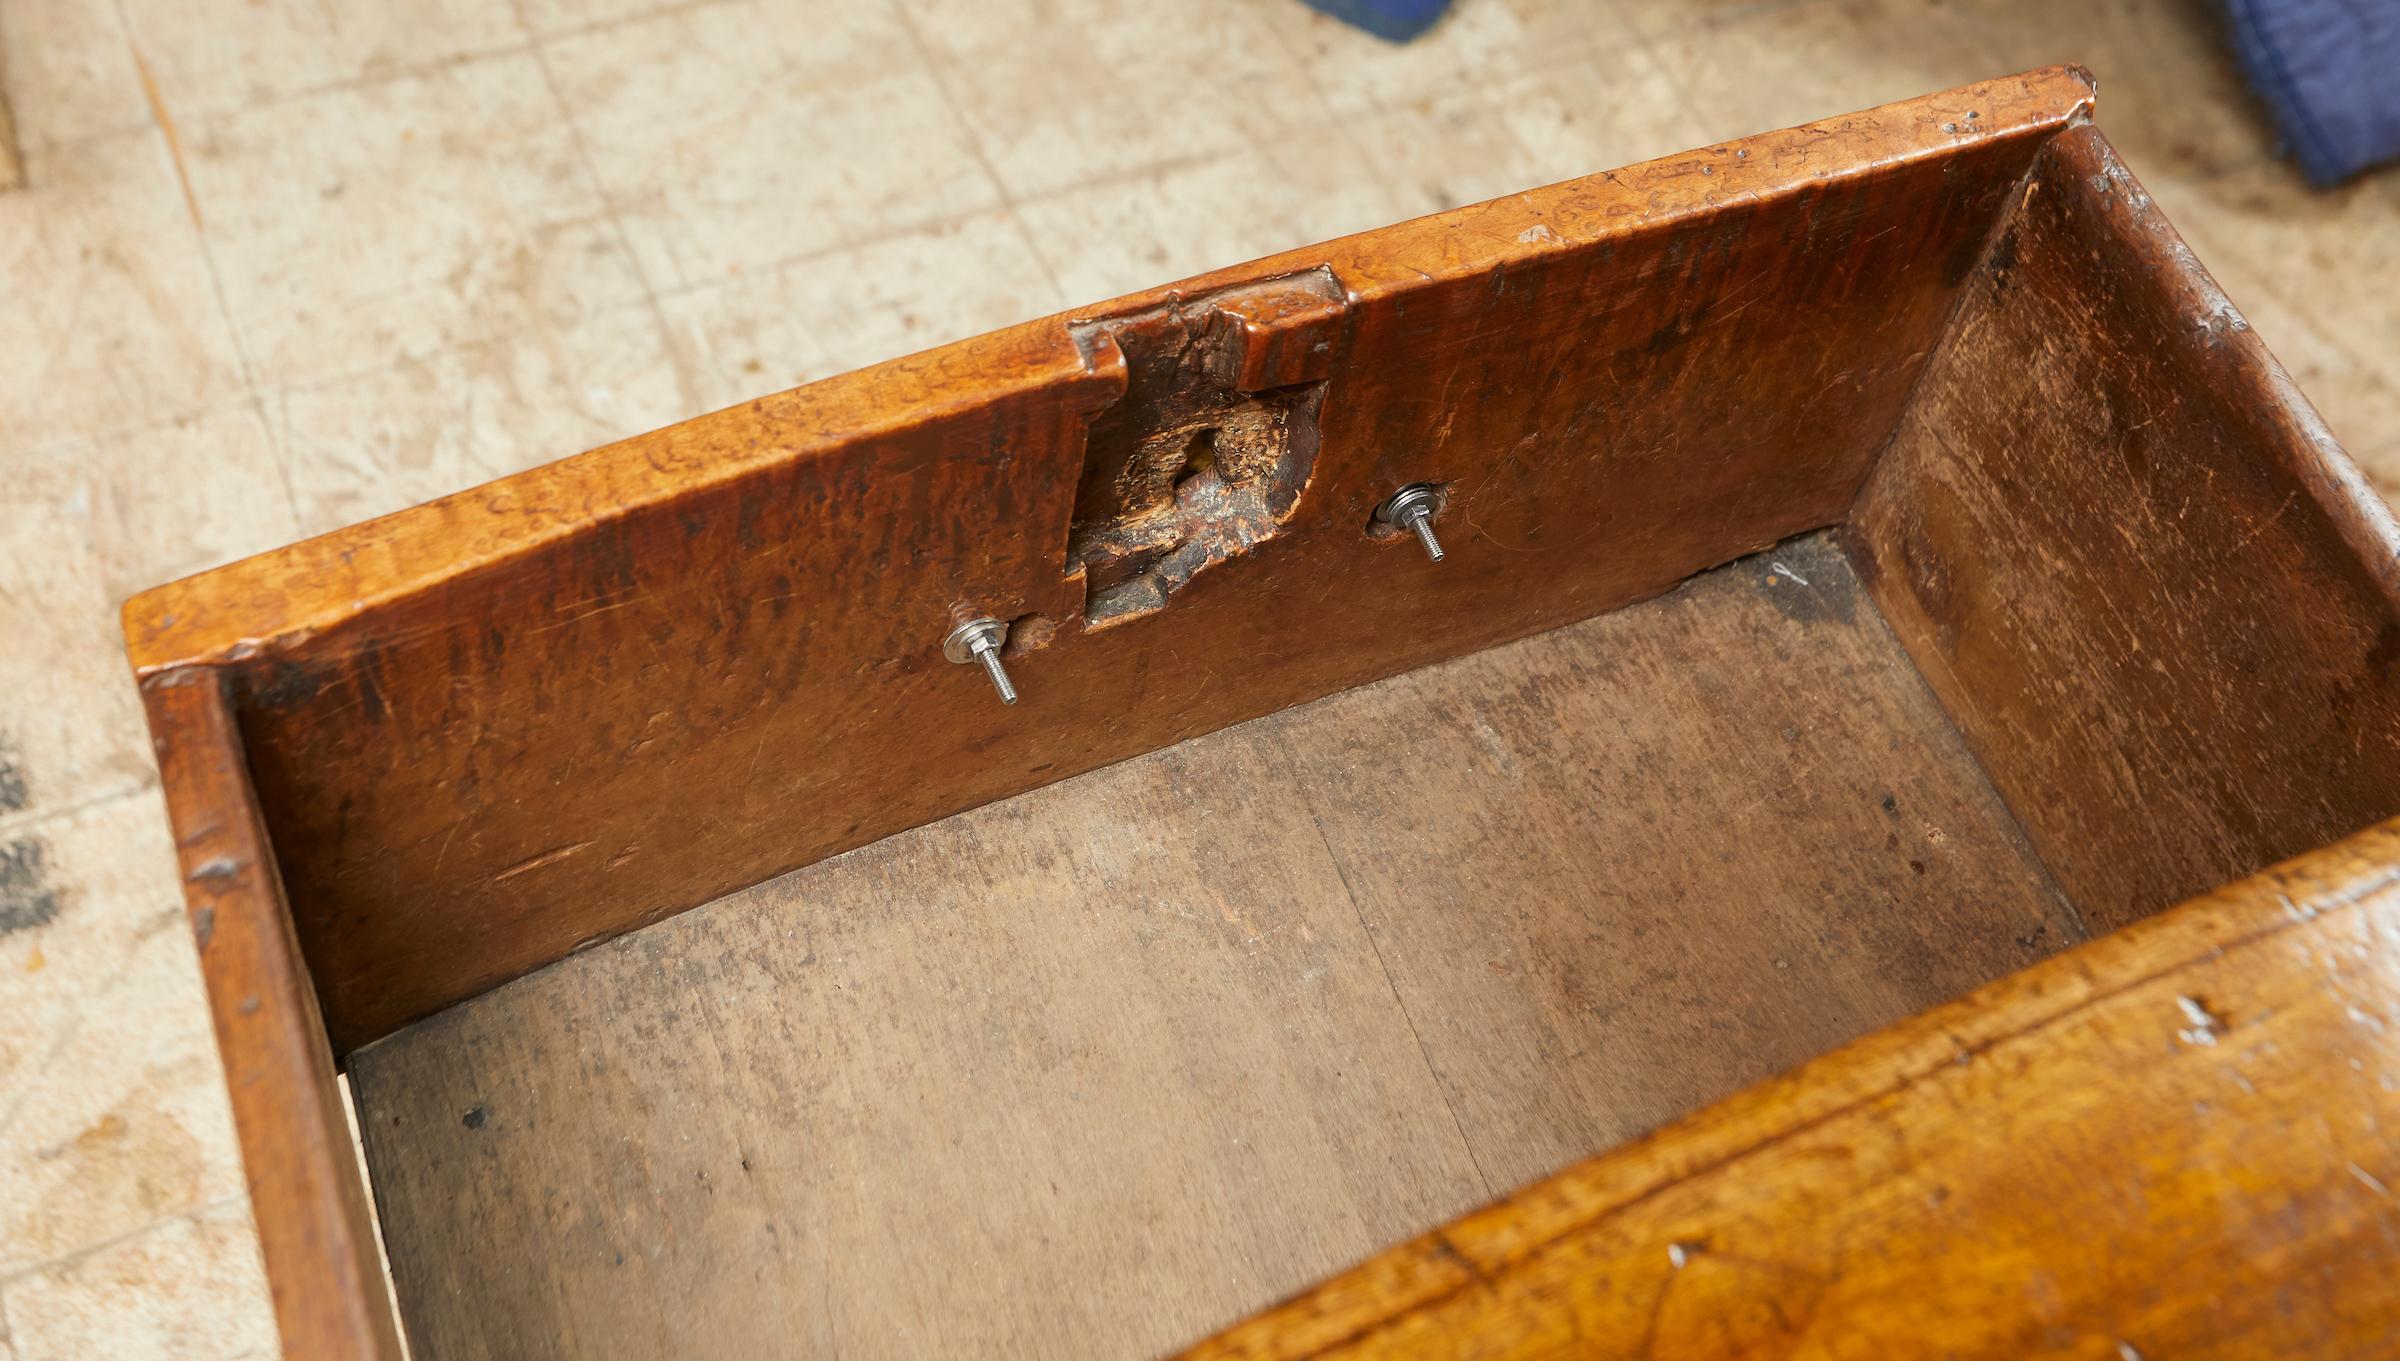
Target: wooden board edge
x=308, y=1196
x=2358, y=512
x=1479, y=1253
x=238, y=611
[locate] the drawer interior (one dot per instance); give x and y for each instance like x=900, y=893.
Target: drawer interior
x=1095, y=1069
x=1878, y=558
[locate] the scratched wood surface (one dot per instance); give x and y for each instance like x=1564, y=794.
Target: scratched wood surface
x=2162, y=601
x=503, y=725
x=2175, y=1141
x=1099, y=1068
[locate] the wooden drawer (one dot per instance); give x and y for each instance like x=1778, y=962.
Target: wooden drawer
x=1875, y=559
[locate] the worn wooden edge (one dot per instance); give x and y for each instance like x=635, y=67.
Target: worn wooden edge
x=307, y=1193
x=257, y=605
x=2299, y=436
x=1483, y=1257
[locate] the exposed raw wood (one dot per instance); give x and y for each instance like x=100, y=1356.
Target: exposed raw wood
x=1097, y=1069
x=2176, y=1141
x=494, y=728
x=311, y=1211
x=2162, y=603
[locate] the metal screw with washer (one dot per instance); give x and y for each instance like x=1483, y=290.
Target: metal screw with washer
x=1411, y=508
x=980, y=640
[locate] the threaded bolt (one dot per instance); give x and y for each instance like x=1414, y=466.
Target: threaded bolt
x=980, y=640
x=1411, y=508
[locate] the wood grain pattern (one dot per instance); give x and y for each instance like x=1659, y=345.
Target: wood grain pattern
x=305, y=1191
x=1622, y=869
x=2161, y=601
x=1095, y=1069
x=2174, y=1141
x=488, y=732
x=492, y=729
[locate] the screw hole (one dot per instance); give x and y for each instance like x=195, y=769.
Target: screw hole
x=1199, y=456
x=1028, y=633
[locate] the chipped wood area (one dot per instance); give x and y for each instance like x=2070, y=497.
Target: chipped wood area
x=1206, y=453
x=2075, y=1161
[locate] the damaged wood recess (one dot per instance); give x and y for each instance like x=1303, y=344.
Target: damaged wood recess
x=1207, y=452
x=1976, y=582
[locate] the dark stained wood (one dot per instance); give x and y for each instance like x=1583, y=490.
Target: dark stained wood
x=1096, y=1069
x=2161, y=602
x=305, y=1194
x=494, y=728
x=2175, y=1141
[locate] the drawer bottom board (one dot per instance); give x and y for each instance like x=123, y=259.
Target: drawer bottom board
x=1101, y=1068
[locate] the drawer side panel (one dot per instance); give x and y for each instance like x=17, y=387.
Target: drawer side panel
x=2157, y=597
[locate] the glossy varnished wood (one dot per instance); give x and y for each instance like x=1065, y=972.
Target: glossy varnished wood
x=492, y=729
x=2176, y=1141
x=2163, y=604
x=1094, y=1070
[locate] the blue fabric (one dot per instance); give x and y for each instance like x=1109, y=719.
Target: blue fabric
x=1397, y=20
x=2330, y=71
